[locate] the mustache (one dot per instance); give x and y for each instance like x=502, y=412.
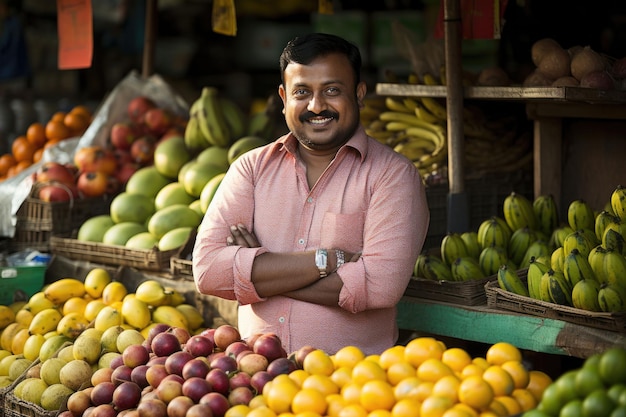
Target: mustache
x=326, y=113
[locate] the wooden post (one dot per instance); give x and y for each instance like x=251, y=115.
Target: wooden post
x=147, y=66
x=458, y=210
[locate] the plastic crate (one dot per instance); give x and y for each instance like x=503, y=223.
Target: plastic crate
x=19, y=283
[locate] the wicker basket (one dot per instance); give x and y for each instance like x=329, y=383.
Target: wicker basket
x=180, y=263
x=505, y=300
x=468, y=293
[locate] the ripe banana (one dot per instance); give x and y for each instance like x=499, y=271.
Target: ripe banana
x=518, y=212
x=576, y=267
x=435, y=108
x=579, y=240
x=557, y=258
x=546, y=212
x=410, y=103
x=611, y=299
x=423, y=114
x=170, y=316
x=558, y=288
x=466, y=269
x=493, y=232
x=396, y=104
x=434, y=268
x=618, y=202
x=471, y=243
x=520, y=241
x=452, y=247
x=491, y=259
x=585, y=295
x=211, y=117
x=602, y=220
x=538, y=249
x=580, y=215
x=62, y=290
x=510, y=281
x=536, y=270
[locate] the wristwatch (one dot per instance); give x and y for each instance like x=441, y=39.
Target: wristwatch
x=321, y=261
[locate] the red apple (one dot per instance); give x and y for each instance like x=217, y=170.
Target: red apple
x=58, y=192
x=125, y=171
x=156, y=329
x=226, y=334
x=235, y=348
x=138, y=375
x=253, y=363
x=53, y=171
x=137, y=108
x=217, y=402
x=281, y=366
x=269, y=345
x=123, y=134
x=219, y=380
x=199, y=345
x=176, y=361
x=126, y=396
x=121, y=374
x=178, y=406
x=210, y=333
x=195, y=367
x=102, y=393
x=181, y=334
x=103, y=410
x=225, y=363
x=158, y=121
x=196, y=387
x=142, y=150
x=116, y=361
x=165, y=343
x=152, y=407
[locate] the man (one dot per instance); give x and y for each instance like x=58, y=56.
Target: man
x=316, y=234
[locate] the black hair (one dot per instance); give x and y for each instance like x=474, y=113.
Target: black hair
x=304, y=49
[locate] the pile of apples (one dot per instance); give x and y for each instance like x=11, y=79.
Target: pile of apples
x=176, y=374
x=104, y=170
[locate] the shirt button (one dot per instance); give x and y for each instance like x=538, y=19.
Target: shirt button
x=309, y=200
x=301, y=241
x=281, y=319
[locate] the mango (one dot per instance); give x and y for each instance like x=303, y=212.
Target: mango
x=172, y=217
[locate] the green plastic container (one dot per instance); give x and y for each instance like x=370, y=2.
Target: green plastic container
x=19, y=283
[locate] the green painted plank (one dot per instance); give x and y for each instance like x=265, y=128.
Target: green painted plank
x=481, y=325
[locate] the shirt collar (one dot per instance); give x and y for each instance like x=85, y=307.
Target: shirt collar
x=358, y=141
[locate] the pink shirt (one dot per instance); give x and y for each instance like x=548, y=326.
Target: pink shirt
x=369, y=199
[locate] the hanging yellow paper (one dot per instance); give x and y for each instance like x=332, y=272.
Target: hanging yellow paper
x=224, y=18
x=325, y=7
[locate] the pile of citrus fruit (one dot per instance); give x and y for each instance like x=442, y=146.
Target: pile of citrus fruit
x=424, y=378
x=28, y=148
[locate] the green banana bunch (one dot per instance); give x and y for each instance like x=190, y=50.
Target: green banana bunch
x=494, y=231
x=538, y=249
x=491, y=259
x=576, y=267
x=193, y=135
x=614, y=240
x=235, y=118
x=558, y=236
x=261, y=125
x=510, y=281
x=580, y=215
x=452, y=248
x=435, y=269
x=611, y=299
x=596, y=260
x=418, y=268
x=471, y=243
x=555, y=288
x=602, y=220
x=212, y=121
x=579, y=240
x=585, y=295
x=618, y=202
x=536, y=270
x=546, y=212
x=518, y=212
x=557, y=258
x=612, y=269
x=466, y=269
x=520, y=241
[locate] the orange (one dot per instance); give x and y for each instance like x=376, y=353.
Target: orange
x=281, y=393
x=471, y=369
x=341, y=376
x=448, y=386
x=377, y=394
x=298, y=376
x=22, y=149
x=351, y=393
x=76, y=122
x=518, y=372
x=464, y=407
x=499, y=379
x=422, y=348
x=500, y=352
x=475, y=392
x=424, y=390
x=525, y=399
x=21, y=166
x=318, y=362
x=81, y=109
x=353, y=410
x=498, y=408
x=50, y=143
x=36, y=134
x=56, y=130
x=335, y=405
x=367, y=370
x=538, y=381
x=435, y=406
x=456, y=358
x=38, y=154
x=399, y=371
x=481, y=362
x=58, y=116
x=510, y=403
x=406, y=407
x=6, y=161
x=239, y=410
x=433, y=369
x=321, y=383
x=307, y=400
x=377, y=413
x=391, y=356
x=407, y=388
x=348, y=356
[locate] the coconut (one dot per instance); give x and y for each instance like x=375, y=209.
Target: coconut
x=555, y=63
x=541, y=48
x=585, y=62
x=600, y=80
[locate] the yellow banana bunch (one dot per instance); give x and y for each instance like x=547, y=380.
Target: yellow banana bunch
x=558, y=236
x=518, y=212
x=466, y=269
x=618, y=202
x=614, y=240
x=576, y=267
x=580, y=215
x=586, y=295
x=536, y=270
x=493, y=232
x=508, y=280
x=491, y=259
x=452, y=248
x=211, y=118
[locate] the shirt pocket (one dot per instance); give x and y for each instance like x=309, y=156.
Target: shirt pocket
x=343, y=231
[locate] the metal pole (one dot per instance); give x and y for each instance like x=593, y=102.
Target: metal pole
x=149, y=39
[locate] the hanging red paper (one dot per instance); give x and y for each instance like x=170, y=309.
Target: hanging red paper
x=480, y=19
x=75, y=28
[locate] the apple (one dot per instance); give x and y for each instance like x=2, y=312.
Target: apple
x=126, y=396
x=235, y=348
x=152, y=407
x=240, y=395
x=157, y=360
x=125, y=171
x=156, y=329
x=116, y=361
x=226, y=334
x=123, y=134
x=54, y=171
x=196, y=367
x=181, y=334
x=137, y=108
x=196, y=387
x=210, y=333
x=57, y=192
x=225, y=363
x=252, y=363
x=165, y=343
x=101, y=375
x=176, y=361
x=219, y=380
x=218, y=403
x=270, y=346
x=199, y=345
x=178, y=406
x=158, y=120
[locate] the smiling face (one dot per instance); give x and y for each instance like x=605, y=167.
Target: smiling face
x=321, y=101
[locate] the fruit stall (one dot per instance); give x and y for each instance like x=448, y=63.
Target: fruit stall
x=521, y=313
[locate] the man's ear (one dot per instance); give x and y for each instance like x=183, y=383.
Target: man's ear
x=361, y=90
